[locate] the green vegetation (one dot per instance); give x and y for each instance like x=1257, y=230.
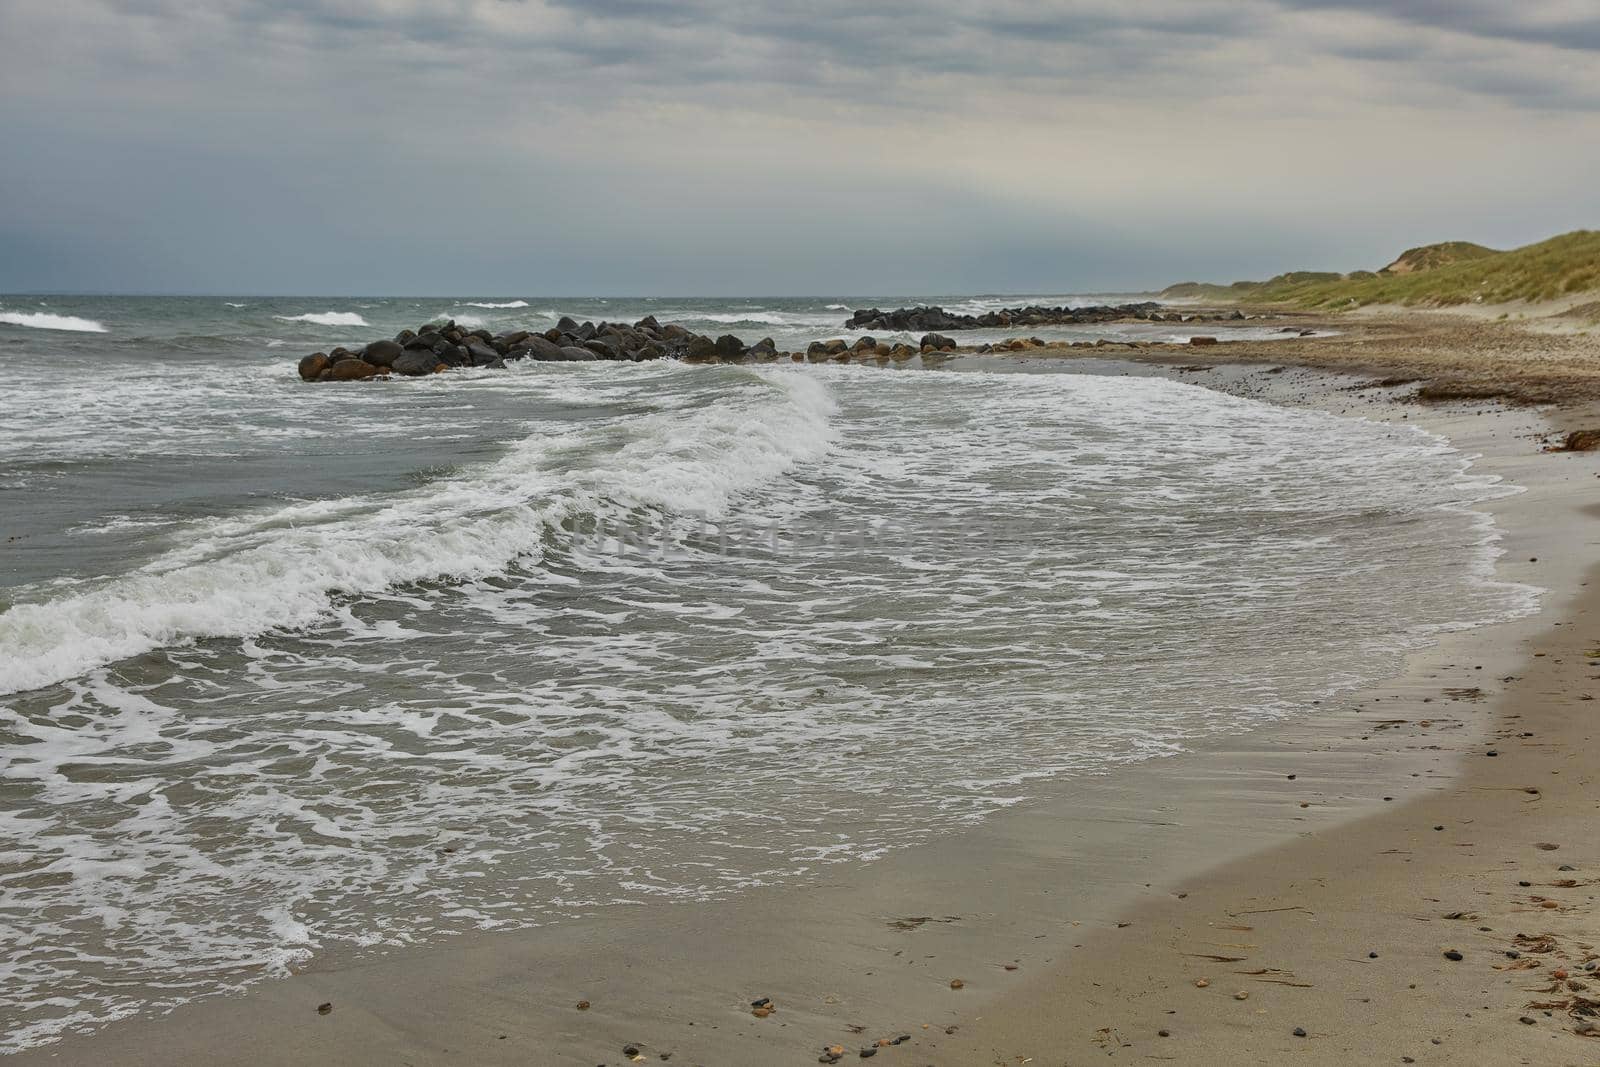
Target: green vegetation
x=1442, y=275
x=1432, y=257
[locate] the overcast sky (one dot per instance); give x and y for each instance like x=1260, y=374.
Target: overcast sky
x=561, y=147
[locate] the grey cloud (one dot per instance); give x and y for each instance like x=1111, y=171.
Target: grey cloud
x=1569, y=24
x=679, y=145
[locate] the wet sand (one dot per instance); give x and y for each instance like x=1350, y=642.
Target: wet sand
x=1078, y=925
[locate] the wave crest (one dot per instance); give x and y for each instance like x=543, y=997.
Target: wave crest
x=508, y=304
x=326, y=318
x=288, y=567
x=40, y=320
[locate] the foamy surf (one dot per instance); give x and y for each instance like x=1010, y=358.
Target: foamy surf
x=507, y=304
x=286, y=568
x=417, y=703
x=39, y=320
x=326, y=318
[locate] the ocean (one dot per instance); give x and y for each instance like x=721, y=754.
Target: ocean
x=291, y=673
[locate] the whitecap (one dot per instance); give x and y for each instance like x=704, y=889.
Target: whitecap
x=286, y=568
x=508, y=304
x=771, y=318
x=326, y=318
x=40, y=320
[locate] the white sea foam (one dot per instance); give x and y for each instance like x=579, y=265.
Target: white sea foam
x=232, y=304
x=326, y=318
x=771, y=318
x=40, y=320
x=493, y=722
x=508, y=304
x=245, y=576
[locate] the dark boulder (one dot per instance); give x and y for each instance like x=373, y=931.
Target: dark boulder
x=540, y=348
x=566, y=325
x=313, y=365
x=699, y=348
x=937, y=342
x=416, y=362
x=482, y=354
x=382, y=353
x=729, y=347
x=574, y=354
x=353, y=370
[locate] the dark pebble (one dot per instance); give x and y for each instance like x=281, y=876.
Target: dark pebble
x=1372, y=955
x=325, y=1007
x=763, y=1002
x=1491, y=752
x=868, y=1053
x=1566, y=867
x=1526, y=1020
x=1163, y=1033
x=1299, y=1031
x=1452, y=955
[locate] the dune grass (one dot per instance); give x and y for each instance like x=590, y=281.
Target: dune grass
x=1465, y=274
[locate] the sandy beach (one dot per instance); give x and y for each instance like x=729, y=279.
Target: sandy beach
x=1295, y=892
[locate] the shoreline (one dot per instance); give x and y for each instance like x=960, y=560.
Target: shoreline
x=877, y=946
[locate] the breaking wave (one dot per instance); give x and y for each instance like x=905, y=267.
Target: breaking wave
x=326, y=318
x=40, y=320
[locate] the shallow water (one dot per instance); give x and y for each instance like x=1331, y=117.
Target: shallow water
x=300, y=669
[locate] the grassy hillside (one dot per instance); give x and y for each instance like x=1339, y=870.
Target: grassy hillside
x=1444, y=275
x=1431, y=257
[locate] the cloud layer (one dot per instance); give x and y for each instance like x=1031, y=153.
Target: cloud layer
x=609, y=146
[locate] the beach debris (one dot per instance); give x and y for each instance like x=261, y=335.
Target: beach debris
x=1578, y=441
x=1546, y=846
x=582, y=1005
x=914, y=921
x=1201, y=983
x=1163, y=1033
x=956, y=983
x=1106, y=1037
x=633, y=1053
x=325, y=1007
x=1243, y=994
